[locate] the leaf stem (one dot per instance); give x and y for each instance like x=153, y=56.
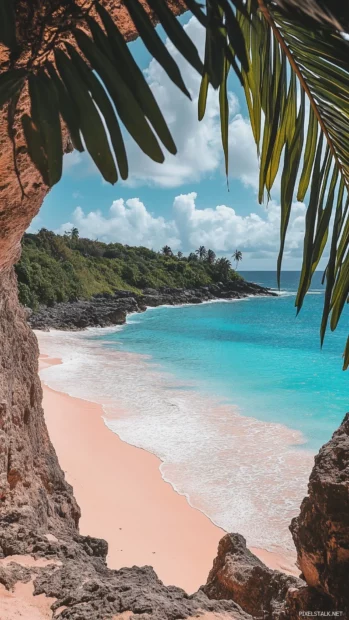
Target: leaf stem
x=270, y=20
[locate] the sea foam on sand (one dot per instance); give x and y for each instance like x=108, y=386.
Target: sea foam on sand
x=246, y=475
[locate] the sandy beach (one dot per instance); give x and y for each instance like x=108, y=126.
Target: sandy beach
x=124, y=499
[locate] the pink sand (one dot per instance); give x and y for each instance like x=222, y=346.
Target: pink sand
x=124, y=499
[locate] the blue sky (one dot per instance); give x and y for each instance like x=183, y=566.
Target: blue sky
x=184, y=202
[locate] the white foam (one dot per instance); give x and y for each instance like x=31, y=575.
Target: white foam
x=246, y=475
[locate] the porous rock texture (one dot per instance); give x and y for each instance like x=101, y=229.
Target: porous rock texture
x=239, y=575
x=83, y=588
x=321, y=531
x=321, y=536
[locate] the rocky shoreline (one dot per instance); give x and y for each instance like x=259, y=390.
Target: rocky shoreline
x=107, y=309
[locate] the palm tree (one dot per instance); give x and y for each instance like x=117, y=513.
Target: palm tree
x=193, y=257
x=223, y=267
x=179, y=254
x=74, y=234
x=211, y=256
x=305, y=67
x=201, y=252
x=237, y=256
x=166, y=251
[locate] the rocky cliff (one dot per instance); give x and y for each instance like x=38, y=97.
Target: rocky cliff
x=32, y=486
x=105, y=309
x=38, y=513
x=321, y=537
x=321, y=531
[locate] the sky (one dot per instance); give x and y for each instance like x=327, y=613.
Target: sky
x=184, y=202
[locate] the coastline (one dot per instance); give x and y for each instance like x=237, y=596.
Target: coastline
x=125, y=500
x=123, y=497
x=106, y=309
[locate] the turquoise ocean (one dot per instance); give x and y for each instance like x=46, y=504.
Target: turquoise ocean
x=234, y=397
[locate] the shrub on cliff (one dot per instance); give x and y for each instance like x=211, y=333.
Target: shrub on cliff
x=56, y=268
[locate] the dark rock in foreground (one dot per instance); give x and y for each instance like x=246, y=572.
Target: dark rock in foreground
x=237, y=574
x=86, y=589
x=321, y=531
x=321, y=537
x=105, y=310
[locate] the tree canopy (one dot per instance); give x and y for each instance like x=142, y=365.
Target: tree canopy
x=57, y=268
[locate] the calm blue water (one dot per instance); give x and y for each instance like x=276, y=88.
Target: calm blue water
x=235, y=398
x=255, y=354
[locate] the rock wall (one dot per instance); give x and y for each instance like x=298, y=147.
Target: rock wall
x=38, y=512
x=239, y=575
x=321, y=537
x=32, y=485
x=321, y=531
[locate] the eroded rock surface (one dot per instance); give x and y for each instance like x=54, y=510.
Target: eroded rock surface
x=32, y=485
x=239, y=575
x=84, y=588
x=321, y=532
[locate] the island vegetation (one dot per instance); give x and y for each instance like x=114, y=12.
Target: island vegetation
x=59, y=268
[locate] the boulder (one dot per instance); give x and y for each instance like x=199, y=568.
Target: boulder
x=237, y=574
x=321, y=531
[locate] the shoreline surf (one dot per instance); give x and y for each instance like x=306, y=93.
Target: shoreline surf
x=196, y=551
x=292, y=439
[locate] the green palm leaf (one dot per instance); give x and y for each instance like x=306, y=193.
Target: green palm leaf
x=90, y=121
x=45, y=115
x=8, y=23
x=317, y=71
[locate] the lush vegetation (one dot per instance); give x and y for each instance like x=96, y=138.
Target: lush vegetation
x=55, y=268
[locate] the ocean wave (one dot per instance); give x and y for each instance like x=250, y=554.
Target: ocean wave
x=246, y=475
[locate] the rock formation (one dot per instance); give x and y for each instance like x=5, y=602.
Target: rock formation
x=38, y=512
x=321, y=536
x=321, y=531
x=32, y=485
x=105, y=309
x=239, y=575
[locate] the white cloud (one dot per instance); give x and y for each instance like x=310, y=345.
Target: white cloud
x=127, y=222
x=222, y=229
x=219, y=227
x=72, y=160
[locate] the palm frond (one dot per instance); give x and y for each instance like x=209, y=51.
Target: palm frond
x=291, y=66
x=334, y=13
x=7, y=24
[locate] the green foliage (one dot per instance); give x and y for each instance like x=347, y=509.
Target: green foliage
x=60, y=268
